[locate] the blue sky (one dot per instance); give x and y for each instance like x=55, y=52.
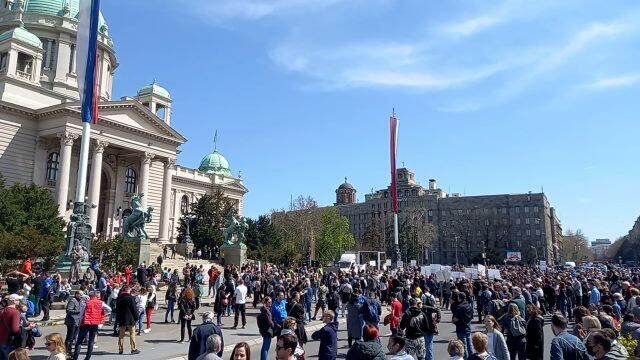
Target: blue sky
x=493, y=96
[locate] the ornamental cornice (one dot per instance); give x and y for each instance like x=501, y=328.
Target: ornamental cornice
x=147, y=157
x=99, y=145
x=67, y=137
x=75, y=111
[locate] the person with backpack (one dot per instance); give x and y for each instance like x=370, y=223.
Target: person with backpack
x=564, y=345
x=432, y=313
x=333, y=301
x=414, y=324
x=516, y=329
x=371, y=310
x=462, y=317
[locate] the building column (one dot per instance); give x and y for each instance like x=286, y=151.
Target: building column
x=145, y=164
x=165, y=211
x=62, y=182
x=94, y=182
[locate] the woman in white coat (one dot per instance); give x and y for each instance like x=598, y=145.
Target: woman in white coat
x=497, y=345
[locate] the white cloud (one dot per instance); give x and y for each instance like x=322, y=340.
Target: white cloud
x=258, y=9
x=612, y=82
x=473, y=25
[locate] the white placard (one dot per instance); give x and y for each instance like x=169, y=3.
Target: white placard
x=436, y=268
x=455, y=274
x=372, y=263
x=400, y=264
x=440, y=276
x=387, y=262
x=471, y=273
x=494, y=274
x=425, y=270
x=413, y=263
x=482, y=270
x=543, y=265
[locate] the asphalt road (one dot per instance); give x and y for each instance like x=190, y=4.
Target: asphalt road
x=162, y=341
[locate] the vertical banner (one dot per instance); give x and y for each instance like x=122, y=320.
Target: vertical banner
x=393, y=131
x=87, y=58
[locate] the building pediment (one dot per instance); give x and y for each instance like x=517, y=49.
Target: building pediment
x=128, y=115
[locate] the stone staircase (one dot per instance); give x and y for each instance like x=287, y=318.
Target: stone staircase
x=179, y=262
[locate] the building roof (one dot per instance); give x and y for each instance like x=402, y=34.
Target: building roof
x=57, y=8
x=155, y=89
x=215, y=163
x=21, y=34
x=346, y=185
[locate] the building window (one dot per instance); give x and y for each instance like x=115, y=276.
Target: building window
x=535, y=209
x=53, y=162
x=4, y=60
x=504, y=210
x=443, y=212
x=430, y=213
x=528, y=232
x=460, y=212
x=517, y=221
x=517, y=209
x=527, y=221
x=526, y=209
x=537, y=232
x=130, y=180
x=184, y=204
x=537, y=220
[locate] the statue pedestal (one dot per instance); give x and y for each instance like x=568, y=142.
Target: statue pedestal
x=234, y=254
x=144, y=254
x=184, y=249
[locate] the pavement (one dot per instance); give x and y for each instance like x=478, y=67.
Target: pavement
x=162, y=342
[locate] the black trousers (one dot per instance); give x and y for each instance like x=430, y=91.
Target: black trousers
x=89, y=331
x=240, y=309
x=72, y=334
x=184, y=323
x=45, y=308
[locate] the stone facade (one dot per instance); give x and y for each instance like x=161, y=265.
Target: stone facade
x=470, y=224
x=133, y=146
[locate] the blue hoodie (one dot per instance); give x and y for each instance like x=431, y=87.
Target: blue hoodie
x=328, y=336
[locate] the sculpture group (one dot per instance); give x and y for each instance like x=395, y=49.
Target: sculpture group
x=134, y=223
x=234, y=232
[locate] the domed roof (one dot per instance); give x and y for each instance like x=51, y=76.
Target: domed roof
x=22, y=34
x=215, y=163
x=57, y=8
x=346, y=185
x=154, y=88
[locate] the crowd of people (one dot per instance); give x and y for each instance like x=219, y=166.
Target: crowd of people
x=588, y=309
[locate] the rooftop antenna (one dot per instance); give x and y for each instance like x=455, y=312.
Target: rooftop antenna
x=291, y=203
x=542, y=188
x=215, y=141
x=345, y=179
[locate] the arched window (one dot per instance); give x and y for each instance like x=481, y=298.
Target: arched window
x=53, y=162
x=130, y=180
x=184, y=204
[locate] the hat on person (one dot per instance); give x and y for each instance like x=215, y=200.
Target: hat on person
x=208, y=315
x=14, y=297
x=617, y=296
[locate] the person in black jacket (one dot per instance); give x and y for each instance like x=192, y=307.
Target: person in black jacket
x=198, y=345
x=296, y=310
x=187, y=307
x=127, y=316
x=535, y=334
x=266, y=326
x=414, y=323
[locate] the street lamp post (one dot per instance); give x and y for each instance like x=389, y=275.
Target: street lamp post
x=536, y=249
x=456, y=237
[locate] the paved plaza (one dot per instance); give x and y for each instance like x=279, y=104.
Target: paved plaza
x=162, y=341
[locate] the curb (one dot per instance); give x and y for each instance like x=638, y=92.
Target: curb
x=257, y=341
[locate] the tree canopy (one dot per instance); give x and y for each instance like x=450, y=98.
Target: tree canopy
x=207, y=219
x=335, y=236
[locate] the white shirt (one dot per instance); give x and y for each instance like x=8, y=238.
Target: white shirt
x=240, y=294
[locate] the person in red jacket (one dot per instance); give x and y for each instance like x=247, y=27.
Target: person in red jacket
x=94, y=312
x=396, y=313
x=127, y=274
x=26, y=267
x=9, y=324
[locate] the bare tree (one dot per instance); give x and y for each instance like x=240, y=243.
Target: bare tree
x=574, y=246
x=302, y=225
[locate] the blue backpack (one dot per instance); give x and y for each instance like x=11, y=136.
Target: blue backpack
x=370, y=311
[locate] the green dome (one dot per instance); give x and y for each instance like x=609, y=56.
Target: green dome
x=154, y=88
x=215, y=163
x=21, y=34
x=56, y=8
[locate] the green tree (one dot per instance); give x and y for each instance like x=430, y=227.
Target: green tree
x=29, y=225
x=208, y=218
x=335, y=236
x=115, y=253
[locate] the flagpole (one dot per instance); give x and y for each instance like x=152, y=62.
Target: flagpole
x=83, y=163
x=393, y=134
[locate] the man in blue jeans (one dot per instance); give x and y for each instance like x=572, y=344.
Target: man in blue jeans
x=462, y=317
x=433, y=316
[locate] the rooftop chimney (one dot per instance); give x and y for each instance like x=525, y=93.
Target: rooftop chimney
x=432, y=184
